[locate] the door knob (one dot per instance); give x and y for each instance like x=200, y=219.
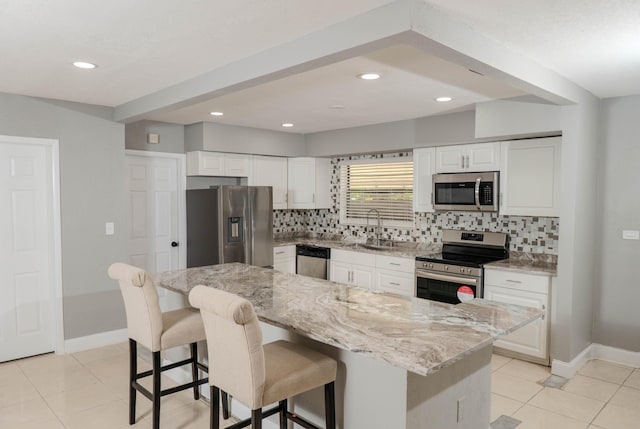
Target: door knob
x=174, y=244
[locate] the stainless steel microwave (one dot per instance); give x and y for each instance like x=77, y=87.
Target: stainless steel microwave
x=466, y=191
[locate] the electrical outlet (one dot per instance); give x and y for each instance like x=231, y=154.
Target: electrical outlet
x=631, y=234
x=109, y=228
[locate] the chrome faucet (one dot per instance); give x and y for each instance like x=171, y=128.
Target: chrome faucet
x=377, y=242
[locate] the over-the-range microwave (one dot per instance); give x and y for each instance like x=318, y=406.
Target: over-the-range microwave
x=466, y=191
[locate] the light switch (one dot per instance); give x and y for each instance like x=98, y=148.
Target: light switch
x=109, y=228
x=630, y=234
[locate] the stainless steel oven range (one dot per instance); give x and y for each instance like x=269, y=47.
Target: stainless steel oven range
x=455, y=275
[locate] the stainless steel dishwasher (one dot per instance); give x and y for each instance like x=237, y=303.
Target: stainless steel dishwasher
x=312, y=261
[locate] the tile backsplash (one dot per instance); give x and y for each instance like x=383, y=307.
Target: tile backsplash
x=527, y=234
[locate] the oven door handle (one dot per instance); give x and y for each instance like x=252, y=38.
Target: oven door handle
x=466, y=280
x=477, y=192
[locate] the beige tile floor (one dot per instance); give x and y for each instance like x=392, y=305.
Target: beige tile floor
x=602, y=395
x=87, y=390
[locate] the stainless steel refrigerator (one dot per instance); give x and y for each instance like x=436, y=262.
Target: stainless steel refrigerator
x=230, y=224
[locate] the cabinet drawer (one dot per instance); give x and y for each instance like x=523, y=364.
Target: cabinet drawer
x=517, y=281
x=358, y=258
x=395, y=282
x=283, y=252
x=395, y=263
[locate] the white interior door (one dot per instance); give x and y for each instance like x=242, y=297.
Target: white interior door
x=27, y=272
x=156, y=188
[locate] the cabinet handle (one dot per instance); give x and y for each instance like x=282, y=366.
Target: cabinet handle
x=462, y=161
x=313, y=198
x=279, y=253
x=467, y=161
x=395, y=284
x=513, y=281
x=394, y=263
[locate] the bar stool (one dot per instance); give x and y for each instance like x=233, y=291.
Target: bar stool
x=157, y=331
x=254, y=374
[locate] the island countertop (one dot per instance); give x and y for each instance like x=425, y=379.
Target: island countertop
x=415, y=334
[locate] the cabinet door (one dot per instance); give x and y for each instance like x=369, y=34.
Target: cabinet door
x=284, y=259
x=271, y=171
x=322, y=183
x=340, y=272
x=483, y=157
x=530, y=177
x=532, y=338
x=236, y=165
x=200, y=163
x=450, y=159
x=363, y=276
x=397, y=282
x=301, y=183
x=424, y=164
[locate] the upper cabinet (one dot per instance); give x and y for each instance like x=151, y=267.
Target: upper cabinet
x=530, y=177
x=202, y=163
x=309, y=182
x=472, y=157
x=271, y=171
x=424, y=165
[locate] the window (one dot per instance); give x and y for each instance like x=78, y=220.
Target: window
x=382, y=184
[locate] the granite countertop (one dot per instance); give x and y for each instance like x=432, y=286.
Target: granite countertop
x=400, y=249
x=417, y=335
x=528, y=263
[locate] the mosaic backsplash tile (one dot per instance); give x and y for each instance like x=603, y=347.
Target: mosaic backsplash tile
x=527, y=234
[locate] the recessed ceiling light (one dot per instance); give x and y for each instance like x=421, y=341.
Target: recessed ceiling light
x=216, y=113
x=84, y=65
x=443, y=99
x=369, y=76
x=287, y=125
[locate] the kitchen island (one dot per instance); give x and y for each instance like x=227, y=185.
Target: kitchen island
x=403, y=362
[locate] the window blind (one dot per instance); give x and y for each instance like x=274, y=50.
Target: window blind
x=384, y=186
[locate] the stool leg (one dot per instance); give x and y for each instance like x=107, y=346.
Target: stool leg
x=225, y=405
x=283, y=414
x=256, y=419
x=133, y=371
x=157, y=372
x=194, y=369
x=215, y=408
x=330, y=405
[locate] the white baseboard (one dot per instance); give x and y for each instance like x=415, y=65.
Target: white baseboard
x=97, y=340
x=595, y=351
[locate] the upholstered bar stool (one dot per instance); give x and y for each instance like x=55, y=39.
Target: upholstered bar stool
x=254, y=374
x=157, y=331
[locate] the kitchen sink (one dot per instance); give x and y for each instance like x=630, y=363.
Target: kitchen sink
x=372, y=246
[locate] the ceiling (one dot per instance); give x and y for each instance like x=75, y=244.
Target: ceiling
x=146, y=46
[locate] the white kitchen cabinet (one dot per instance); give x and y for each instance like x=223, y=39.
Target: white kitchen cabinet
x=424, y=165
x=471, y=158
x=309, y=183
x=530, y=177
x=352, y=268
x=271, y=171
x=395, y=274
x=530, y=342
x=284, y=259
x=203, y=163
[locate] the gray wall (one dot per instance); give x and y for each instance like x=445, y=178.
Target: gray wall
x=617, y=319
x=92, y=191
x=229, y=138
x=171, y=136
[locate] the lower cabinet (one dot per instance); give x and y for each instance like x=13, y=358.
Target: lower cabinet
x=351, y=274
x=531, y=341
x=284, y=259
x=373, y=272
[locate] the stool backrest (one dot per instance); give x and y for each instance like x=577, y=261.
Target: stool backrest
x=144, y=318
x=234, y=342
